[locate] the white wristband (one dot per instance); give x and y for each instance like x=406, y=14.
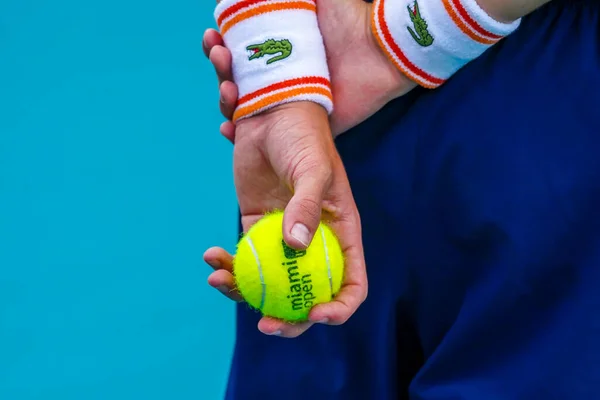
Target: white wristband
x=278, y=53
x=429, y=40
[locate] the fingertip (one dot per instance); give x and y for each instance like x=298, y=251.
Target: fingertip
x=212, y=281
x=218, y=258
x=213, y=37
x=209, y=259
x=337, y=311
x=320, y=314
x=221, y=60
x=227, y=129
x=299, y=226
x=274, y=327
x=316, y=317
x=210, y=38
x=228, y=94
x=220, y=278
x=224, y=282
x=270, y=326
x=299, y=236
x=211, y=253
x=213, y=54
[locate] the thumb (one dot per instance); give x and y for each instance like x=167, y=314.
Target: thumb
x=303, y=213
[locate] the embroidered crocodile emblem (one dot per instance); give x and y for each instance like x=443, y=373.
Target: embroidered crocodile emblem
x=281, y=49
x=420, y=33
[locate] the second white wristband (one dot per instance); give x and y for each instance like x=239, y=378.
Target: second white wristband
x=429, y=40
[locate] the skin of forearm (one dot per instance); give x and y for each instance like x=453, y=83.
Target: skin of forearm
x=510, y=10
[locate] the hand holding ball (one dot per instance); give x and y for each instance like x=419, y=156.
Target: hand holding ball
x=282, y=282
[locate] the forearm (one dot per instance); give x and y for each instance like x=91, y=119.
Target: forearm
x=510, y=10
x=427, y=41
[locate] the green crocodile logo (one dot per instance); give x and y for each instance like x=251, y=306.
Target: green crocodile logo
x=281, y=49
x=422, y=35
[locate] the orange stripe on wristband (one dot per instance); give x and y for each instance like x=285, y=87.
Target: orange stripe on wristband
x=273, y=99
x=266, y=8
x=240, y=6
x=468, y=25
x=305, y=81
x=408, y=68
x=237, y=7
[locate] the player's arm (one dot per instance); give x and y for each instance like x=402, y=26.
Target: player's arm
x=510, y=10
x=420, y=36
x=284, y=154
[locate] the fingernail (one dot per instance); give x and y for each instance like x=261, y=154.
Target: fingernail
x=276, y=333
x=300, y=233
x=323, y=321
x=223, y=289
x=221, y=99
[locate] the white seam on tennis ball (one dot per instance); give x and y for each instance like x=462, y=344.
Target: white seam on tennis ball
x=327, y=260
x=260, y=273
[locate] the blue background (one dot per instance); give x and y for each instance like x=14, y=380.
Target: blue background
x=113, y=181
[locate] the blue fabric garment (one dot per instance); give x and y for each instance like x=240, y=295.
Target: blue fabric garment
x=480, y=204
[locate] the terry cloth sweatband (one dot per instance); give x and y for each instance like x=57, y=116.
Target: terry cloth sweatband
x=429, y=40
x=278, y=53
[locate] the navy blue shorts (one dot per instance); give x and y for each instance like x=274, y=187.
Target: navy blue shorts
x=480, y=204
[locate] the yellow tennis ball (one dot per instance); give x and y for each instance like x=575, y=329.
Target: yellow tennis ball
x=282, y=282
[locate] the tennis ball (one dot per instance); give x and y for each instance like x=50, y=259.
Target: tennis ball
x=282, y=282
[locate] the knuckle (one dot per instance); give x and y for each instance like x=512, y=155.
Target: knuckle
x=344, y=315
x=315, y=164
x=304, y=158
x=299, y=162
x=310, y=208
x=350, y=215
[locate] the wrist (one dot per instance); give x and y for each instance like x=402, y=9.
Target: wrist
x=283, y=118
x=397, y=83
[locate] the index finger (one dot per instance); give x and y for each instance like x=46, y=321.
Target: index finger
x=211, y=39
